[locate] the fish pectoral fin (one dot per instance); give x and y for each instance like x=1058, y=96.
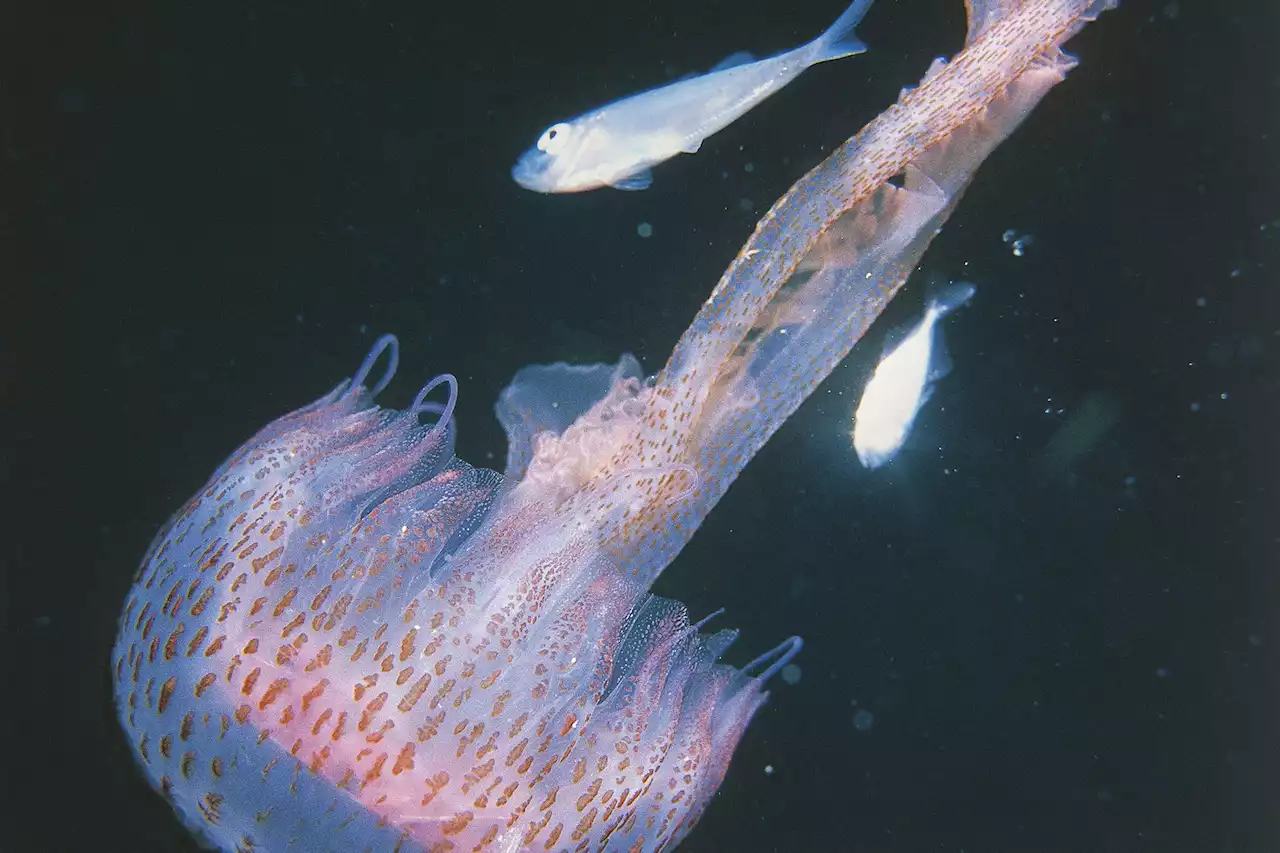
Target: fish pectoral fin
x=940, y=363
x=636, y=181
x=692, y=147
x=733, y=60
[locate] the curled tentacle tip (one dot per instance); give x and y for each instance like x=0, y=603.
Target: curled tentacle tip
x=387, y=343
x=420, y=405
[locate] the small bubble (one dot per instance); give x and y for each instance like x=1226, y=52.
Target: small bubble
x=791, y=674
x=644, y=229
x=749, y=167
x=863, y=720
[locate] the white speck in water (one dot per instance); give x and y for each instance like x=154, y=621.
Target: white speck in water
x=863, y=720
x=644, y=229
x=791, y=674
x=364, y=328
x=1222, y=396
x=768, y=770
x=1008, y=235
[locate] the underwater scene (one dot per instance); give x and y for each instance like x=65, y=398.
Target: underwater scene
x=600, y=427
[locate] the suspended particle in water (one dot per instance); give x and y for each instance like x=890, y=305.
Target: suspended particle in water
x=1019, y=242
x=791, y=674
x=745, y=205
x=644, y=229
x=749, y=167
x=863, y=720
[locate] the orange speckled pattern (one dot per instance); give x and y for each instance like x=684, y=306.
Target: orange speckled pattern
x=340, y=644
x=350, y=640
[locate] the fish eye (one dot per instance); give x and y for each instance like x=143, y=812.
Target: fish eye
x=554, y=138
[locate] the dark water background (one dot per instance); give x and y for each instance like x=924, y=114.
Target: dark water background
x=213, y=208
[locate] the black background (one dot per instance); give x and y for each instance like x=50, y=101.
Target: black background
x=213, y=209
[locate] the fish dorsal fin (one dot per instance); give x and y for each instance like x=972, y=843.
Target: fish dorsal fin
x=895, y=336
x=637, y=181
x=733, y=60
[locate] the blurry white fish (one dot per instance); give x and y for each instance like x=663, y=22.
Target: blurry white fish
x=903, y=381
x=615, y=145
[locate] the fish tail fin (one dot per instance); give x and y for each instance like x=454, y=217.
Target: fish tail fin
x=948, y=298
x=840, y=40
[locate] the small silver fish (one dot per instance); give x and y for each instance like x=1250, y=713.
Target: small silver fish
x=615, y=145
x=903, y=381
